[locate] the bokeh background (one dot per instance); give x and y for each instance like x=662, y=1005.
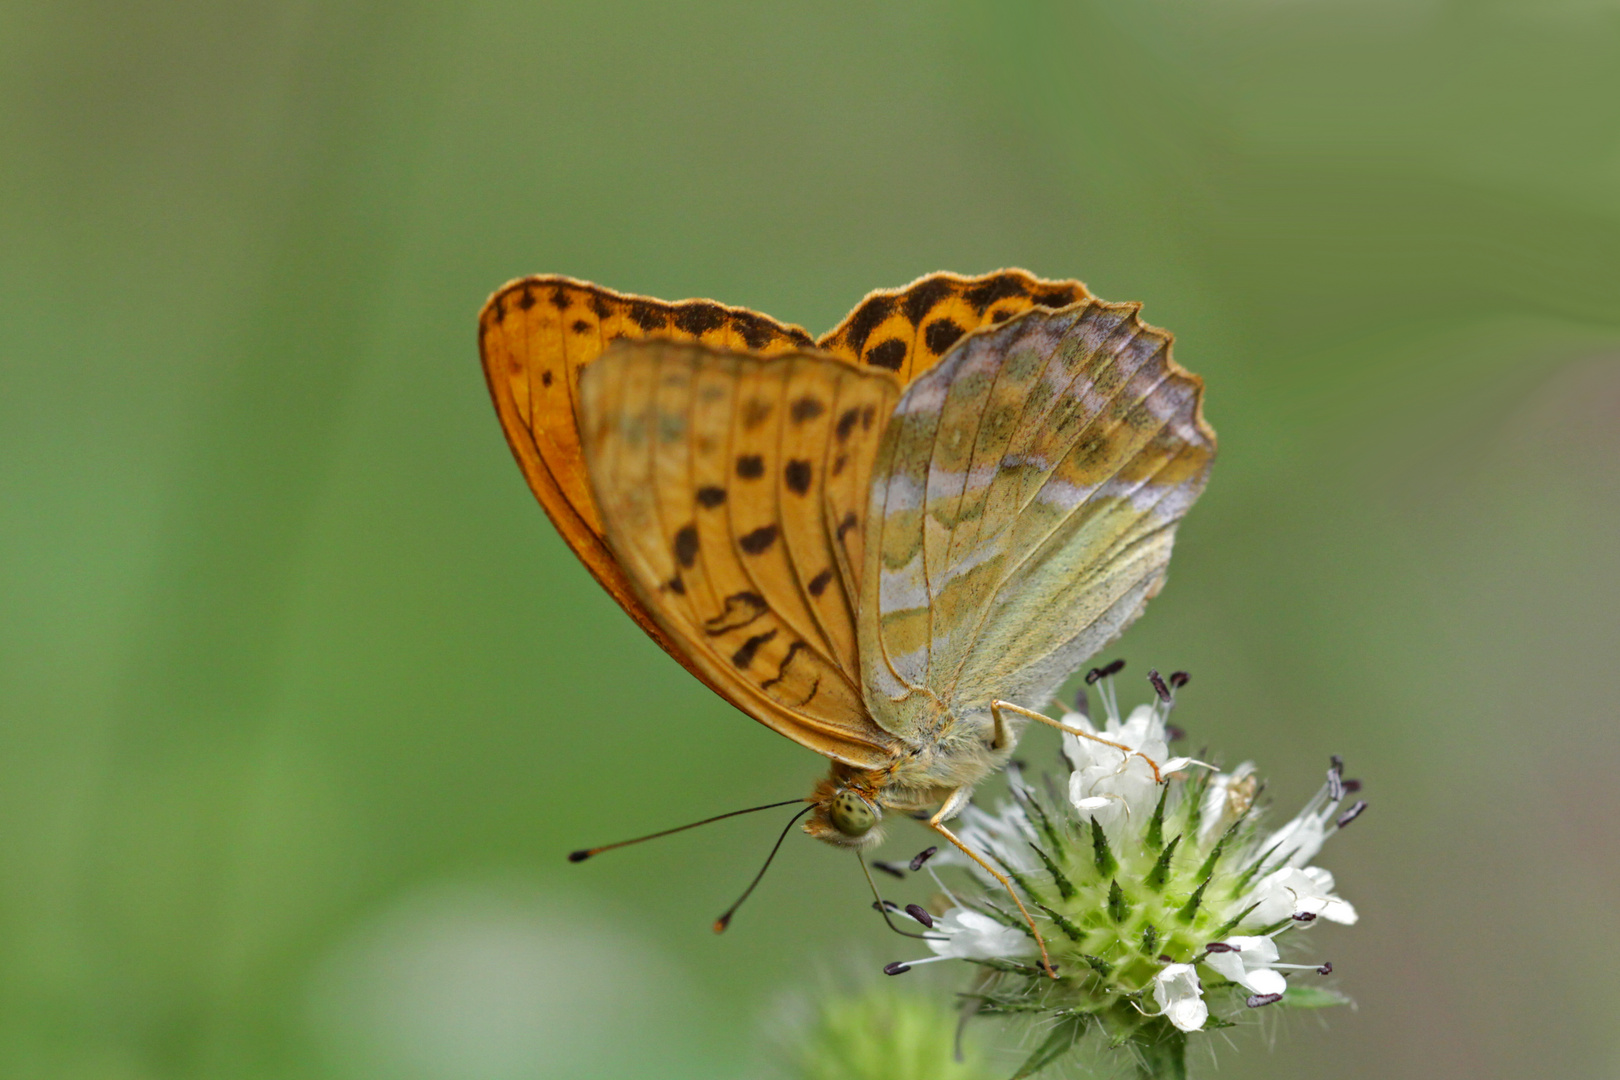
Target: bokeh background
x=302, y=700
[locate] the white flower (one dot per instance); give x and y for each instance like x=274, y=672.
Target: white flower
x=1292, y=891
x=1180, y=997
x=1114, y=787
x=1228, y=796
x=1247, y=961
x=964, y=934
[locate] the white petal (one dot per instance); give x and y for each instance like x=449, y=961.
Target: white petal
x=1265, y=981
x=1180, y=996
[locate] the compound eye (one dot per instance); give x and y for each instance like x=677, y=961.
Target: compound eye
x=852, y=815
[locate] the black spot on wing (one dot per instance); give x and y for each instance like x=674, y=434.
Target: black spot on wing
x=758, y=541
x=781, y=669
x=922, y=298
x=754, y=330
x=889, y=354
x=847, y=421
x=806, y=408
x=686, y=545
x=1056, y=298
x=755, y=412
x=941, y=335
x=750, y=466
x=581, y=325
x=526, y=301
x=992, y=289
x=602, y=308
x=698, y=318
x=709, y=496
x=741, y=609
x=866, y=319
x=560, y=298
x=745, y=655
x=819, y=583
x=676, y=585
x=647, y=316
x=798, y=476
x=849, y=522
x=1001, y=315
x=545, y=378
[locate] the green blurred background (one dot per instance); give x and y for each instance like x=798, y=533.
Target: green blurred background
x=302, y=700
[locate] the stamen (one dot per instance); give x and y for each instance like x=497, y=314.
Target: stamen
x=1178, y=679
x=1160, y=688
x=921, y=857
x=1173, y=733
x=896, y=968
x=1352, y=786
x=1326, y=968
x=1221, y=946
x=889, y=868
x=920, y=913
x=1254, y=1001
x=1351, y=814
x=1082, y=704
x=1303, y=916
x=887, y=905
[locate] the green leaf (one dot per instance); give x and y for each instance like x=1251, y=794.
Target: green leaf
x=1312, y=997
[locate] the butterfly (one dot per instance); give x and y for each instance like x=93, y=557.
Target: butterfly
x=891, y=544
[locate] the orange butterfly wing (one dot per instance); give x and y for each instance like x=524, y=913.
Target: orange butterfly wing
x=534, y=336
x=537, y=333
x=732, y=489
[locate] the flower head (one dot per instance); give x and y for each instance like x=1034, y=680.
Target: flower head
x=1161, y=900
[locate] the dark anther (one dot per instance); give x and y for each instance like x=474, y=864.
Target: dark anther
x=897, y=968
x=1020, y=764
x=1351, y=814
x=1113, y=667
x=918, y=912
x=1082, y=704
x=921, y=857
x=1093, y=675
x=888, y=868
x=1221, y=946
x=1166, y=958
x=1173, y=733
x=1325, y=969
x=579, y=856
x=1352, y=786
x=1335, y=778
x=1178, y=679
x=1159, y=687
x=887, y=905
x=1254, y=1001
x=1303, y=916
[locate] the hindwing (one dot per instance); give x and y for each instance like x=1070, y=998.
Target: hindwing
x=1024, y=504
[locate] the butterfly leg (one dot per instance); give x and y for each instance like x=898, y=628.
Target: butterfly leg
x=997, y=706
x=954, y=803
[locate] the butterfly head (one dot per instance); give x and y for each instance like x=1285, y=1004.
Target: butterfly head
x=845, y=814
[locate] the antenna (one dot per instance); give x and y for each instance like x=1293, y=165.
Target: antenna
x=724, y=920
x=584, y=853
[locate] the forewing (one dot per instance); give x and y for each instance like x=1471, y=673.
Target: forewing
x=1024, y=503
x=535, y=335
x=727, y=484
x=907, y=330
